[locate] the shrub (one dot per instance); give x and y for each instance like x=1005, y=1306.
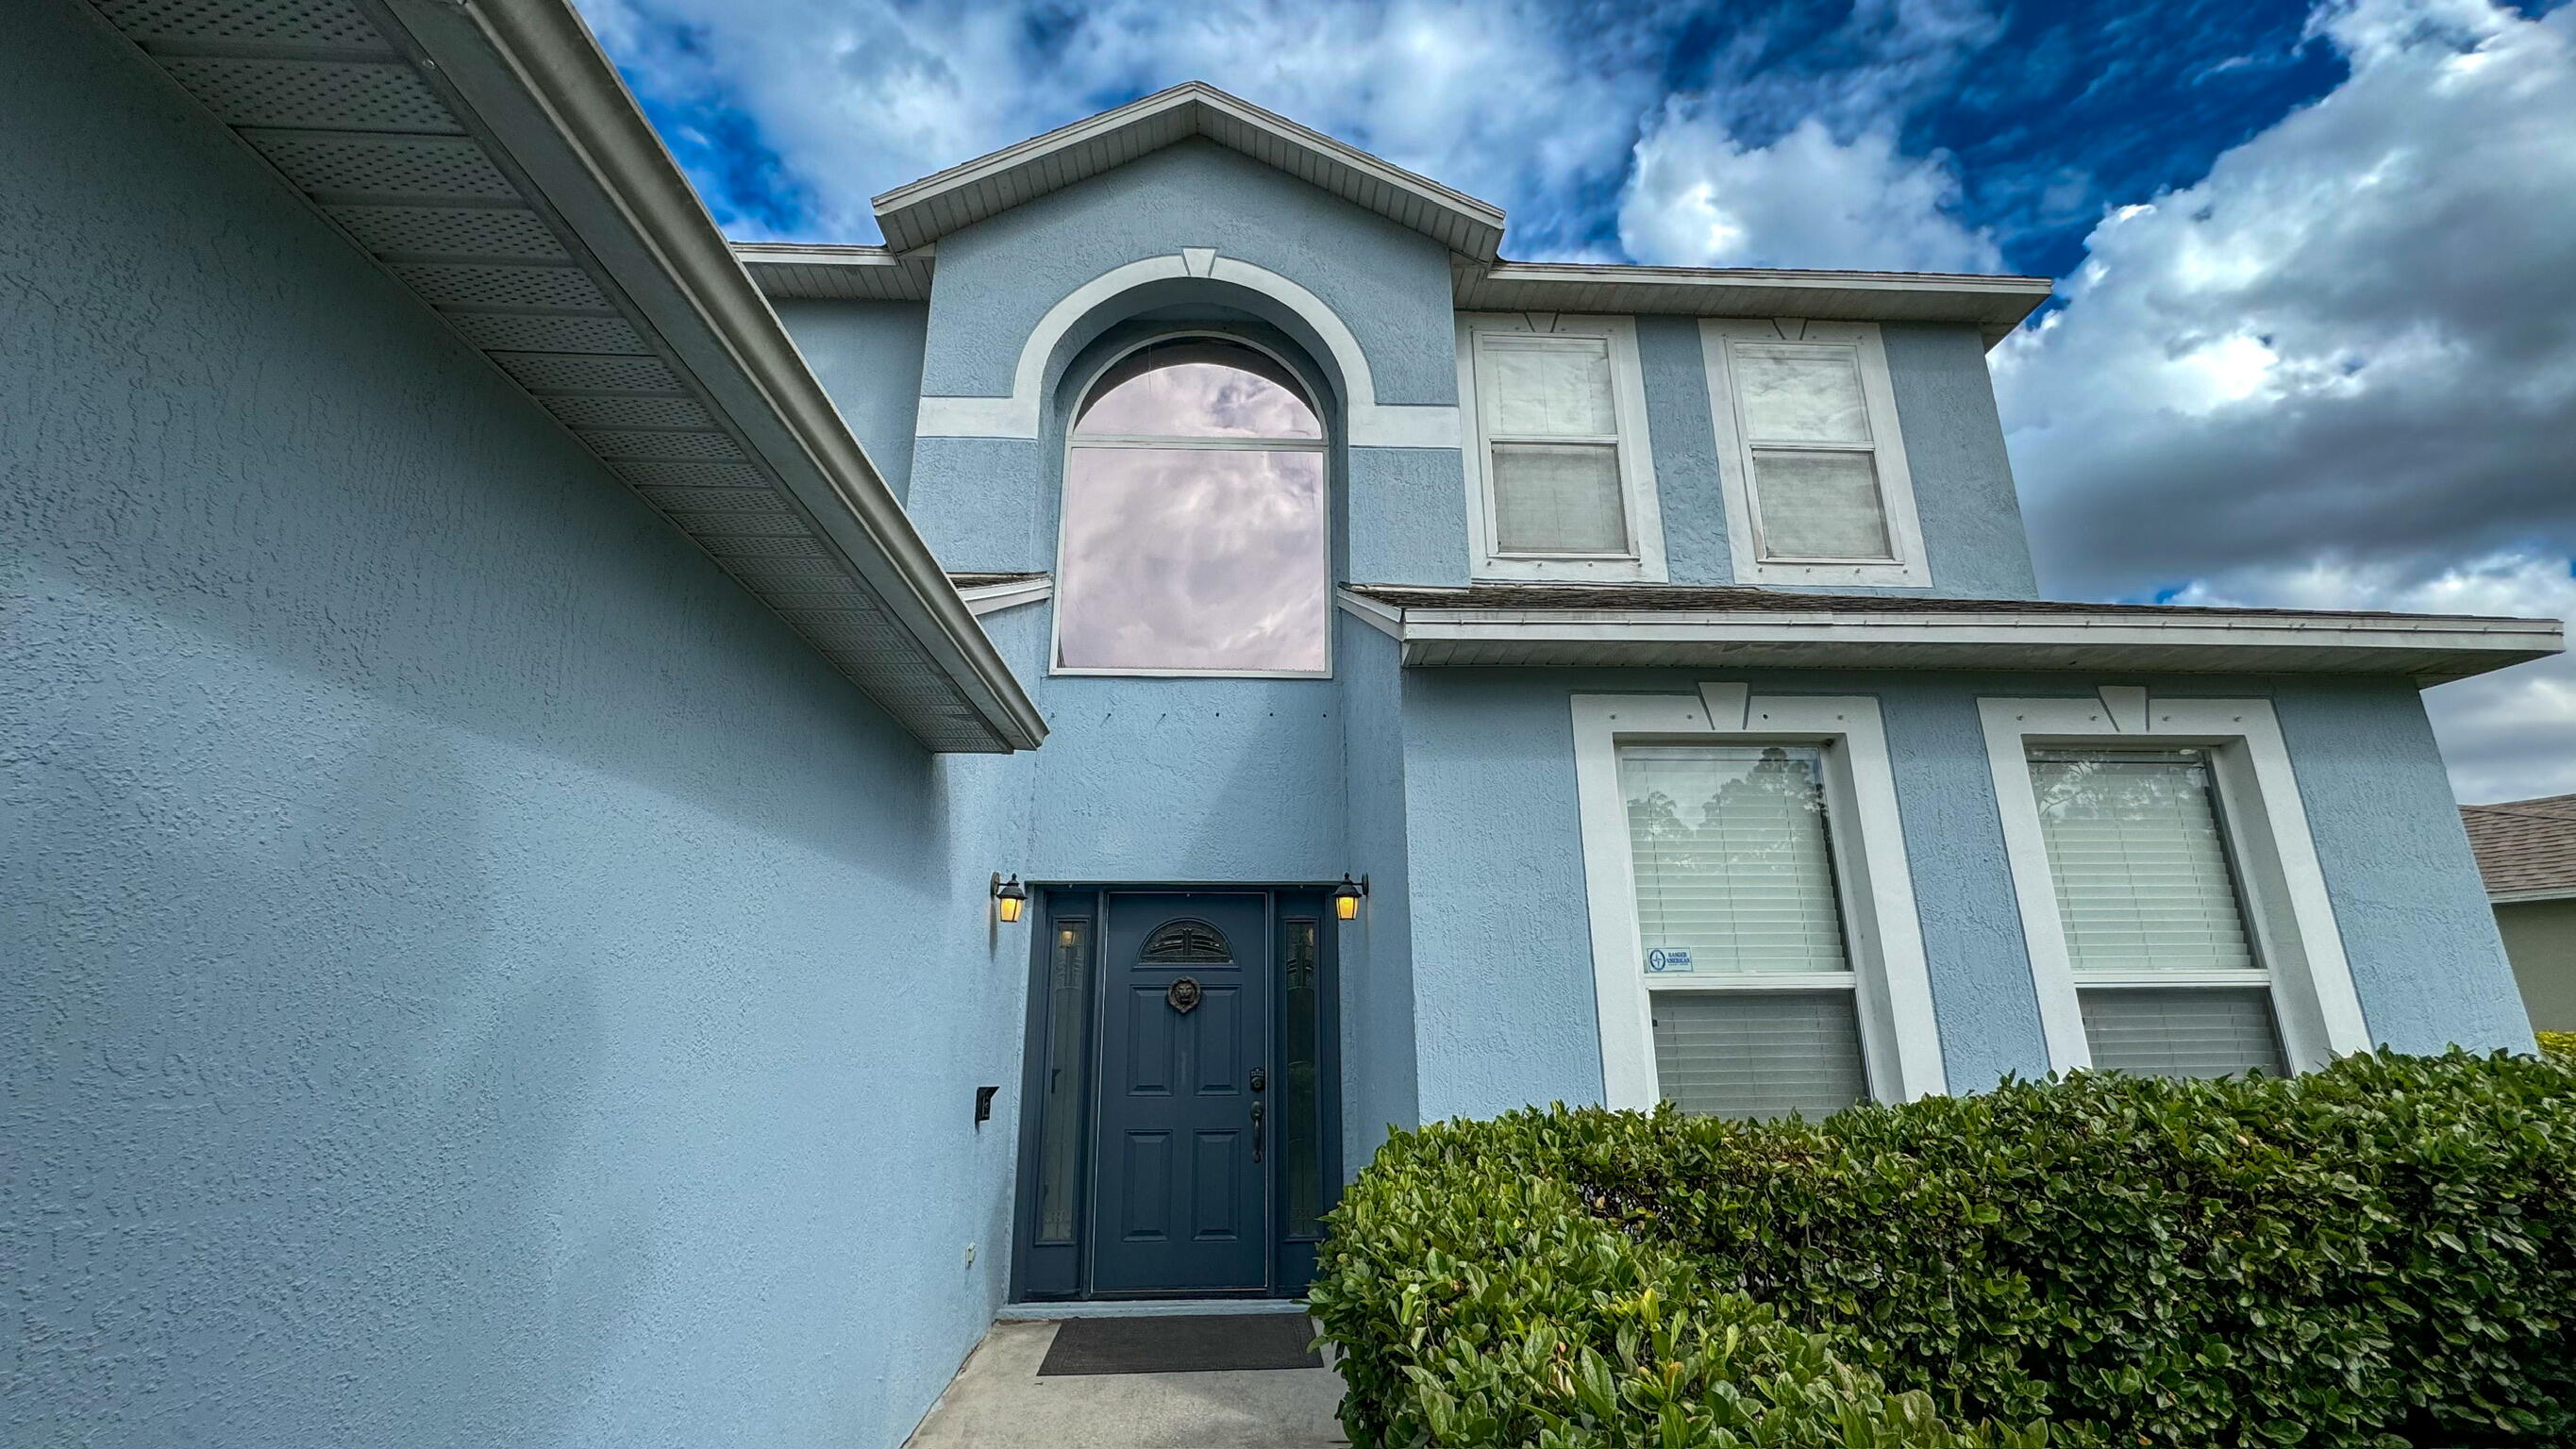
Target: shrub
x=2379, y=1254
x=2558, y=1045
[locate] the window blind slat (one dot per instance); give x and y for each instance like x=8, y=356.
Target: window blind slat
x=2170, y=1031
x=1758, y=1053
x=1733, y=868
x=2138, y=862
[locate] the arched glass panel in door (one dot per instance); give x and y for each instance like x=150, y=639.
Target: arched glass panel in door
x=1195, y=539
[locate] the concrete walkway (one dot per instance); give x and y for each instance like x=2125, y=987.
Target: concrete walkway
x=997, y=1401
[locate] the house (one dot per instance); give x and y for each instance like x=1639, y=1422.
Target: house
x=617, y=839
x=2526, y=852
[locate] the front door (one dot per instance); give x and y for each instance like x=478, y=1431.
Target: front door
x=1179, y=1202
x=1179, y=1119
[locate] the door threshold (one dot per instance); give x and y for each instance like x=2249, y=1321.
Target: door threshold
x=1144, y=1308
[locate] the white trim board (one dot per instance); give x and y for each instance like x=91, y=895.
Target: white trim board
x=2288, y=912
x=982, y=599
x=1367, y=422
x=1872, y=874
x=2428, y=649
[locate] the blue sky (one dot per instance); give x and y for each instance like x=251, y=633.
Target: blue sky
x=2315, y=340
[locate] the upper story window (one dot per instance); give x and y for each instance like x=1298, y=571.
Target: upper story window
x=1560, y=477
x=1194, y=538
x=1813, y=467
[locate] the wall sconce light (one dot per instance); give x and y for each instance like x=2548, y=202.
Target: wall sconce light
x=1009, y=898
x=1347, y=897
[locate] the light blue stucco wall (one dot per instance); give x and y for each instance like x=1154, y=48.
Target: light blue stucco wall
x=1187, y=779
x=867, y=355
x=1389, y=285
x=1379, y=1084
x=2425, y=950
x=1500, y=957
x=1954, y=448
x=473, y=977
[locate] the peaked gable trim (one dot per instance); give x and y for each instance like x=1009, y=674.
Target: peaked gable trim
x=921, y=212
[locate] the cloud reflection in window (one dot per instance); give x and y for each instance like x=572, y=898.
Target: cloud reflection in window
x=1211, y=555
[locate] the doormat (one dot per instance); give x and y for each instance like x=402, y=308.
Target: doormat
x=1199, y=1344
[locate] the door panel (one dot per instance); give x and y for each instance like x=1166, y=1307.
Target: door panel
x=1173, y=1075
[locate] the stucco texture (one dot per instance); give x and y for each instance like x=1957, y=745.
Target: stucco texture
x=1954, y=449
x=473, y=977
x=867, y=355
x=1500, y=957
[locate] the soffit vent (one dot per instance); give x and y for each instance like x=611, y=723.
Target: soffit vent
x=331, y=93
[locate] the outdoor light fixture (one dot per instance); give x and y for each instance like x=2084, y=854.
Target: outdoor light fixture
x=1347, y=895
x=1009, y=898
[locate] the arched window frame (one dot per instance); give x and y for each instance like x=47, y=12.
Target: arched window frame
x=1081, y=397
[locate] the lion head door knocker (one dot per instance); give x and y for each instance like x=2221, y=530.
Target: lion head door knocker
x=1183, y=995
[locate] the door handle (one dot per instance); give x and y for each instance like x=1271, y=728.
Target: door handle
x=1256, y=1131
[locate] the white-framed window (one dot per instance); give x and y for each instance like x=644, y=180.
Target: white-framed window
x=1809, y=454
x=1755, y=948
x=1560, y=469
x=2171, y=901
x=1194, y=534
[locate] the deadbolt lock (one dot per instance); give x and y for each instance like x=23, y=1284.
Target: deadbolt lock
x=1260, y=1080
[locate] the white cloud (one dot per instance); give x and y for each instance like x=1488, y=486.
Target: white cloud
x=1699, y=197
x=2341, y=369
x=2507, y=735
x=2356, y=337
x=1496, y=100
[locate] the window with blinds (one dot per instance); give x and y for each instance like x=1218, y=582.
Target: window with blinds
x=1549, y=412
x=1805, y=419
x=2154, y=919
x=1740, y=928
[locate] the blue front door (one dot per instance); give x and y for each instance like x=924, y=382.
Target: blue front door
x=1180, y=1200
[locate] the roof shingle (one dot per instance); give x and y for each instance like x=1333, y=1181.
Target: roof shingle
x=2525, y=847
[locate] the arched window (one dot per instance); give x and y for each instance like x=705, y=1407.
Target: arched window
x=1194, y=519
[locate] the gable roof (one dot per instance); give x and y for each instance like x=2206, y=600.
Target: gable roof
x=2526, y=848
x=489, y=160
x=920, y=212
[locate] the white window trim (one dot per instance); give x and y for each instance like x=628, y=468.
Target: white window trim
x=1909, y=567
x=1064, y=471
x=2287, y=911
x=1645, y=561
x=1871, y=876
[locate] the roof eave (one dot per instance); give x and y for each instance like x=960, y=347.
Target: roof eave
x=1995, y=305
x=2427, y=650
x=2532, y=897
x=545, y=95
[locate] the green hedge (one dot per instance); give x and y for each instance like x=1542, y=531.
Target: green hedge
x=2560, y=1045
x=2379, y=1254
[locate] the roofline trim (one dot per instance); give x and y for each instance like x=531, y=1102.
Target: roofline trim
x=2532, y=897
x=1480, y=222
x=1994, y=304
x=538, y=81
x=2436, y=637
